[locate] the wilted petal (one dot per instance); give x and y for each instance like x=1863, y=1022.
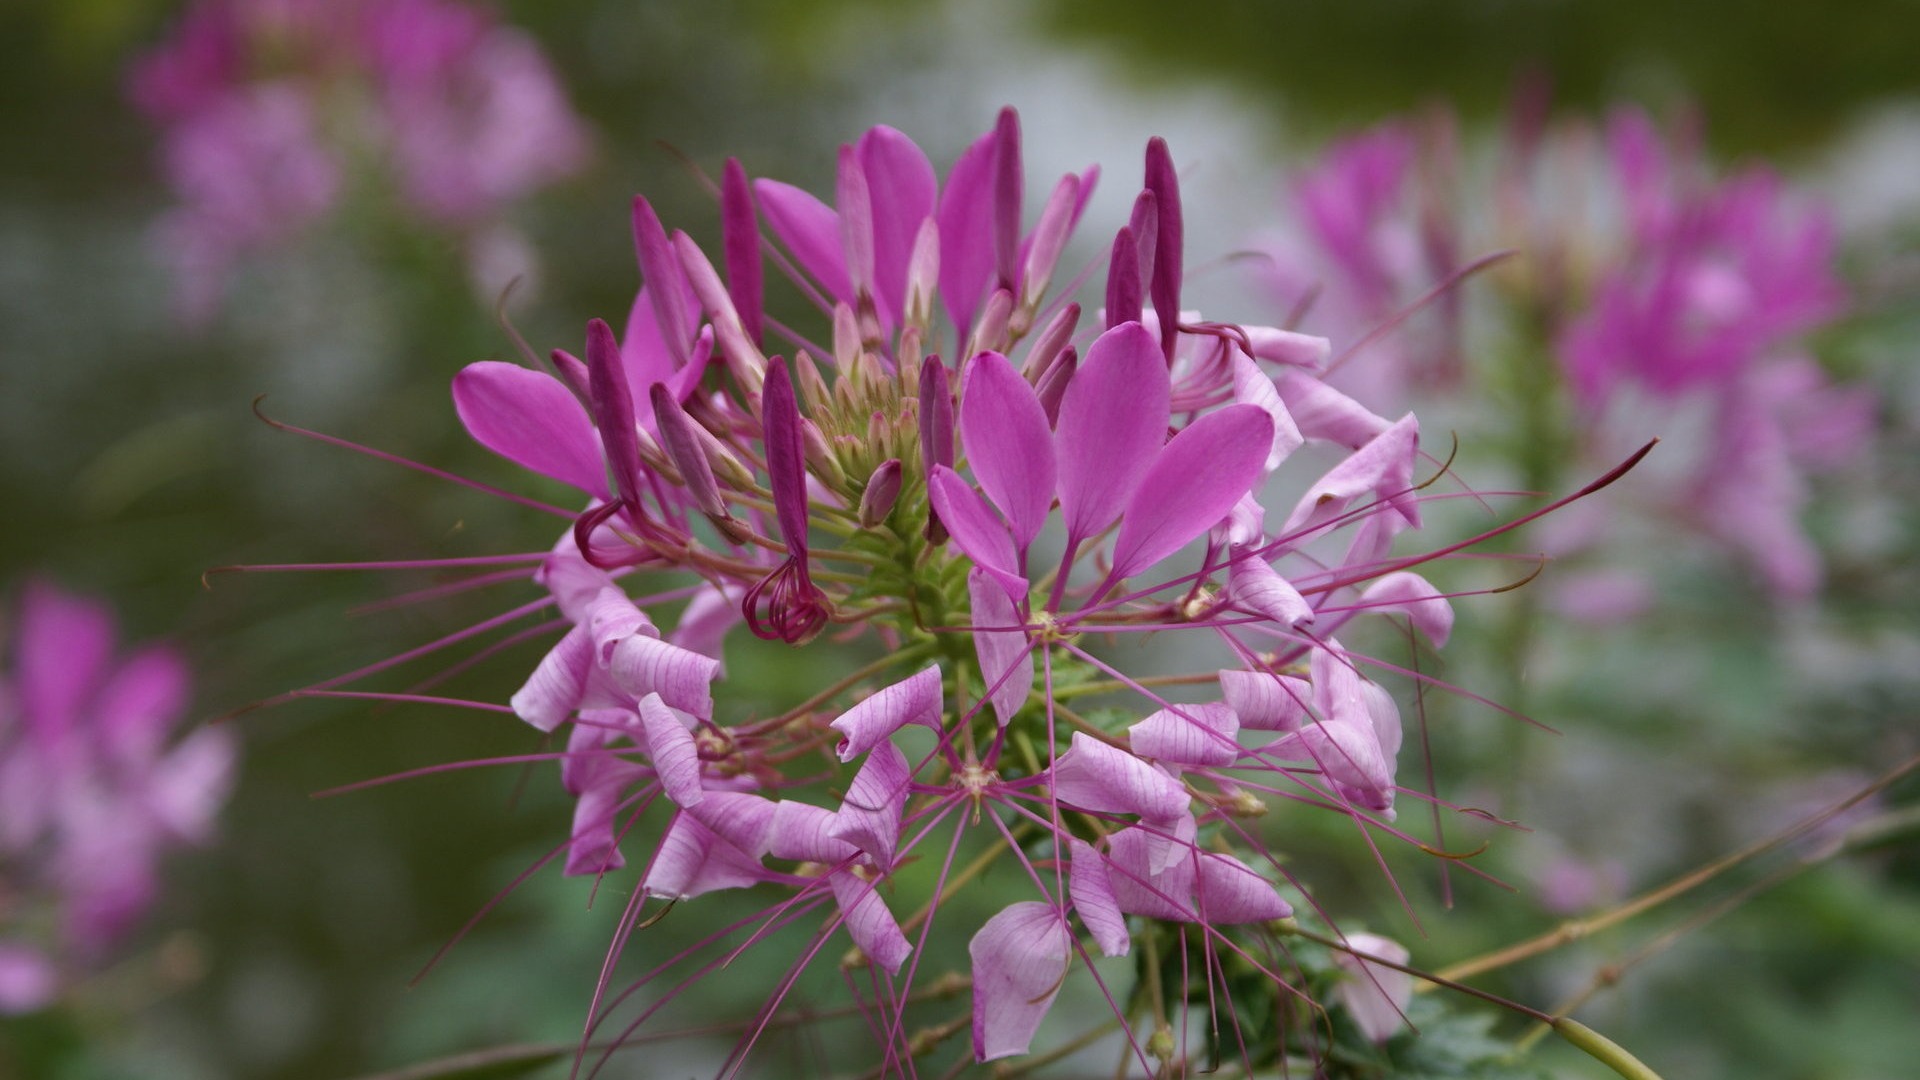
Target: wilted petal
x=1326, y=414
x=693, y=859
x=670, y=745
x=558, y=683
x=1008, y=444
x=1409, y=594
x=1192, y=484
x=1252, y=387
x=1094, y=776
x=741, y=818
x=1257, y=586
x=1151, y=875
x=1113, y=422
x=976, y=529
x=1020, y=960
x=1264, y=701
x=869, y=816
x=1229, y=892
x=531, y=420
x=1383, y=469
x=1092, y=893
x=869, y=922
x=810, y=229
x=913, y=700
x=644, y=665
x=1188, y=735
x=1375, y=996
x=804, y=832
x=1006, y=659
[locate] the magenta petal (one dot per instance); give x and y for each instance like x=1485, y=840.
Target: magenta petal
x=531, y=420
x=670, y=745
x=869, y=922
x=28, y=980
x=1326, y=414
x=1095, y=776
x=1375, y=996
x=643, y=665
x=913, y=700
x=558, y=683
x=62, y=646
x=662, y=281
x=810, y=229
x=976, y=529
x=1409, y=594
x=1124, y=303
x=855, y=206
x=1169, y=242
x=1020, y=960
x=869, y=817
x=1264, y=701
x=1092, y=893
x=1194, y=482
x=740, y=248
x=141, y=701
x=1113, y=421
x=966, y=231
x=1382, y=470
x=1258, y=587
x=613, y=413
x=1006, y=659
x=1229, y=892
x=804, y=832
x=901, y=184
x=1201, y=735
x=1008, y=444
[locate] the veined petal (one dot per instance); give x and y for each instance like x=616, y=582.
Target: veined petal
x=670, y=745
x=1113, y=422
x=869, y=816
x=1092, y=893
x=1229, y=892
x=976, y=529
x=1009, y=447
x=1252, y=387
x=1094, y=776
x=869, y=922
x=741, y=818
x=1383, y=468
x=810, y=229
x=1151, y=875
x=558, y=682
x=804, y=833
x=1264, y=701
x=1375, y=996
x=901, y=184
x=1409, y=594
x=1326, y=414
x=643, y=665
x=1200, y=734
x=611, y=617
x=693, y=859
x=1257, y=586
x=1192, y=484
x=1020, y=960
x=531, y=420
x=913, y=700
x=1006, y=659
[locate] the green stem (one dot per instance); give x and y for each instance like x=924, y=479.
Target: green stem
x=1604, y=1050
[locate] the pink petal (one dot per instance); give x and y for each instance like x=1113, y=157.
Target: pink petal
x=592, y=849
x=1113, y=422
x=902, y=186
x=663, y=283
x=1151, y=875
x=1020, y=960
x=1168, y=250
x=869, y=817
x=704, y=624
x=872, y=927
x=1200, y=735
x=966, y=231
x=1409, y=594
x=740, y=248
x=558, y=683
x=187, y=787
x=804, y=833
x=855, y=206
x=1124, y=292
x=976, y=529
x=1266, y=702
x=1287, y=347
x=1008, y=444
x=670, y=745
x=610, y=618
x=28, y=980
x=1229, y=892
x=1006, y=658
x=1252, y=387
x=1326, y=414
x=644, y=665
x=1375, y=996
x=810, y=230
x=1092, y=893
x=141, y=701
x=915, y=699
x=743, y=819
x=693, y=859
x=1385, y=715
x=1382, y=470
x=1094, y=776
x=530, y=419
x=1194, y=482
x=61, y=647
x=1255, y=585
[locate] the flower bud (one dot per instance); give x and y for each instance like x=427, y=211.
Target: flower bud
x=820, y=457
x=882, y=491
x=1053, y=337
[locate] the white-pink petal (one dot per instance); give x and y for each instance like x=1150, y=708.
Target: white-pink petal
x=1093, y=775
x=1264, y=701
x=1020, y=959
x=642, y=665
x=1006, y=658
x=915, y=699
x=870, y=923
x=1375, y=995
x=1255, y=585
x=1409, y=594
x=1200, y=735
x=869, y=816
x=675, y=758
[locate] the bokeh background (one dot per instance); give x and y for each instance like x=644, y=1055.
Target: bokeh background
x=133, y=464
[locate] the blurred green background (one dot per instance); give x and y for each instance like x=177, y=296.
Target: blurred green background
x=133, y=464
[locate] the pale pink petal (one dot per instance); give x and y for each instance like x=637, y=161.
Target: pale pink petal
x=189, y=785
x=1287, y=347
x=743, y=819
x=683, y=678
x=1150, y=874
x=558, y=683
x=592, y=849
x=902, y=186
x=915, y=699
x=1230, y=892
x=1244, y=525
x=670, y=745
x=1375, y=996
x=706, y=621
x=804, y=833
x=693, y=859
x=1192, y=484
x=574, y=582
x=869, y=922
x=1257, y=586
x=810, y=230
x=611, y=617
x=1006, y=659
x=1325, y=414
x=1385, y=714
x=1113, y=422
x=976, y=529
x=1266, y=702
x=1251, y=386
x=1201, y=735
x=28, y=980
x=1008, y=444
x=1020, y=960
x=532, y=420
x=1409, y=594
x=1094, y=776
x=869, y=816
x=1092, y=893
x=1381, y=470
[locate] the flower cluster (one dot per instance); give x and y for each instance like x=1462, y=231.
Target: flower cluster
x=1662, y=290
x=267, y=106
x=1008, y=526
x=92, y=789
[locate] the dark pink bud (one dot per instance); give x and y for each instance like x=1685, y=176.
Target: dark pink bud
x=1053, y=385
x=795, y=608
x=1145, y=223
x=660, y=274
x=740, y=230
x=680, y=437
x=1049, y=341
x=613, y=411
x=936, y=431
x=883, y=490
x=1009, y=180
x=1164, y=182
x=1123, y=280
x=573, y=373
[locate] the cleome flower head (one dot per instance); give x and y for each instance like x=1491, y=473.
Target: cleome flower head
x=1012, y=499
